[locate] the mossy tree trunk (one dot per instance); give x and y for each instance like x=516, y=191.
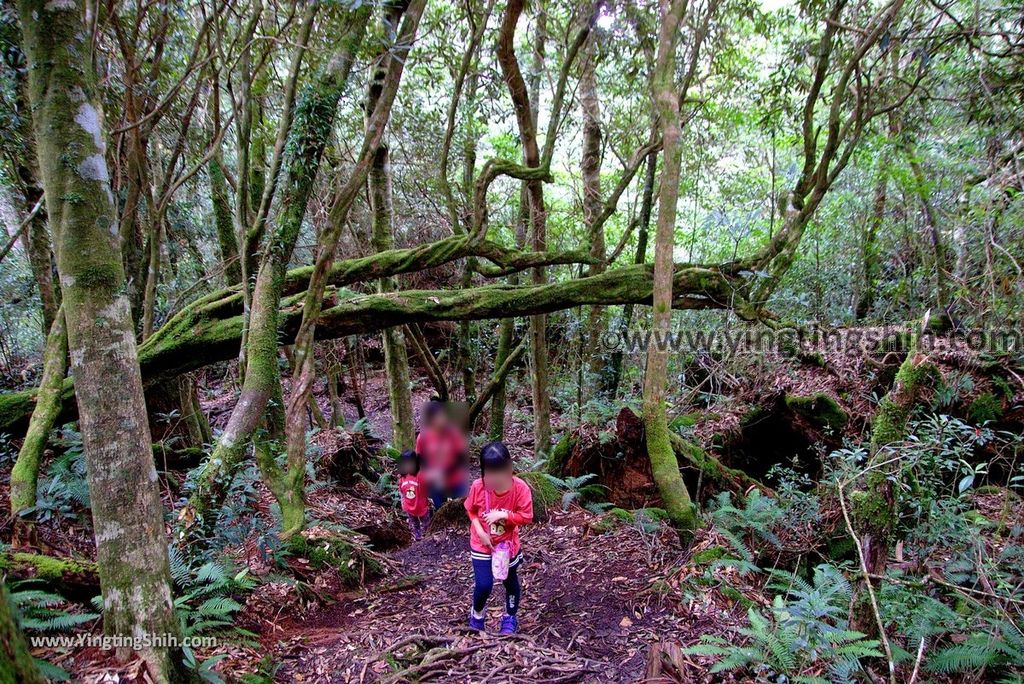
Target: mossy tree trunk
x=314, y=121
x=26, y=179
x=210, y=329
x=383, y=90
x=16, y=664
x=496, y=429
x=869, y=246
x=664, y=467
x=25, y=474
x=131, y=547
x=226, y=236
x=643, y=231
x=590, y=168
x=876, y=506
x=527, y=125
x=396, y=360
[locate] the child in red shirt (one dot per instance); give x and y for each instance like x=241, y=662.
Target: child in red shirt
x=442, y=447
x=414, y=493
x=498, y=504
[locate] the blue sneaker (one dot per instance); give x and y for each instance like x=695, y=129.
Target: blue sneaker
x=509, y=624
x=475, y=622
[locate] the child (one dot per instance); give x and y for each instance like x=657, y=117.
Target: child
x=442, y=446
x=414, y=492
x=497, y=504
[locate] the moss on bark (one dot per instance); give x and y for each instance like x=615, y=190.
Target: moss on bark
x=25, y=474
x=209, y=329
x=560, y=454
x=16, y=663
x=714, y=470
x=71, y=146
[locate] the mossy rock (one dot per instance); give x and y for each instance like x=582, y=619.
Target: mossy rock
x=451, y=514
x=353, y=563
x=986, y=407
x=820, y=410
x=622, y=515
x=976, y=518
x=652, y=513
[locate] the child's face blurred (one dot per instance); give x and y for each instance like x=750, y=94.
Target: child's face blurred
x=499, y=480
x=438, y=421
x=406, y=467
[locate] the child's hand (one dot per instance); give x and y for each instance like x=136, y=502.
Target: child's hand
x=482, y=534
x=496, y=515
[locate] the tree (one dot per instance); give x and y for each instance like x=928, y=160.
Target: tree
x=664, y=466
x=16, y=664
x=131, y=549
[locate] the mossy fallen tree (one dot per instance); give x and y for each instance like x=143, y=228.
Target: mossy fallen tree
x=711, y=469
x=210, y=329
x=75, y=580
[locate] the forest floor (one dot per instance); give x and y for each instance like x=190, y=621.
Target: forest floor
x=592, y=606
x=599, y=595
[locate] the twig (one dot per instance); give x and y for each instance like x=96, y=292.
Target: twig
x=917, y=662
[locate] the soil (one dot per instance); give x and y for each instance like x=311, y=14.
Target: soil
x=589, y=613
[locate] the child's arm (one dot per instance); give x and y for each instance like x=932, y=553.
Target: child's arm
x=522, y=510
x=481, y=533
x=473, y=511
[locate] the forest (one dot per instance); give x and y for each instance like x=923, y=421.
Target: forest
x=694, y=324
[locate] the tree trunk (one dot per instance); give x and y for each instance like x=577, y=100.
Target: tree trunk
x=538, y=218
x=590, y=167
x=314, y=122
x=156, y=245
x=664, y=467
x=25, y=474
x=396, y=361
x=646, y=204
x=209, y=329
x=131, y=546
x=222, y=220
x=496, y=430
x=875, y=507
x=497, y=379
x=416, y=338
x=924, y=195
x=37, y=244
x=16, y=663
x=869, y=247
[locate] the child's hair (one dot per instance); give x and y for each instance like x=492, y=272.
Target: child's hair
x=494, y=456
x=409, y=456
x=432, y=408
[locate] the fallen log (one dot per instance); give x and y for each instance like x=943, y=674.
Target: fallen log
x=726, y=478
x=75, y=580
x=209, y=330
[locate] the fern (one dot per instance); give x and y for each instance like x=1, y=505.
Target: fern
x=576, y=488
x=206, y=602
x=805, y=630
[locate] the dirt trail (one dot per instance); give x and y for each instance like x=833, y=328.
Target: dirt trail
x=591, y=608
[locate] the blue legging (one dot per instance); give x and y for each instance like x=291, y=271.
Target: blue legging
x=485, y=582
